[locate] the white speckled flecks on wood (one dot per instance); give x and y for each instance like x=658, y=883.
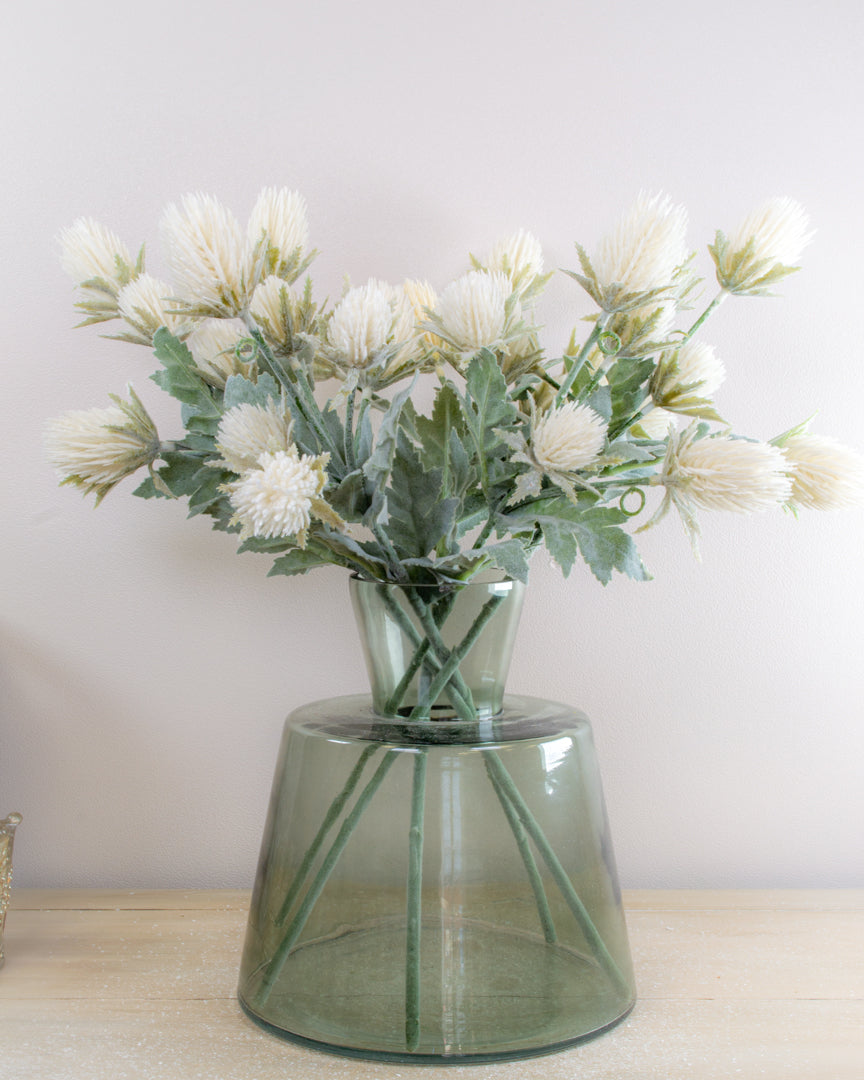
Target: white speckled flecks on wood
x=140, y=986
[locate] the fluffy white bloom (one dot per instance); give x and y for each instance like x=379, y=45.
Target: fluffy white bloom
x=361, y=323
x=646, y=247
x=145, y=305
x=698, y=364
x=266, y=304
x=89, y=251
x=423, y=299
x=764, y=248
x=277, y=497
x=519, y=256
x=732, y=474
x=826, y=475
x=779, y=229
x=281, y=215
x=567, y=438
x=472, y=310
x=208, y=255
x=95, y=448
x=247, y=431
x=655, y=423
x=213, y=344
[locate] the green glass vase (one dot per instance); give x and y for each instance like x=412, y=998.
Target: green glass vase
x=7, y=835
x=436, y=880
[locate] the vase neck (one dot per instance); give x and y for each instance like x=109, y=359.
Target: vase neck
x=436, y=654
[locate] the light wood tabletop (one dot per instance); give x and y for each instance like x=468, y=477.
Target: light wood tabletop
x=140, y=985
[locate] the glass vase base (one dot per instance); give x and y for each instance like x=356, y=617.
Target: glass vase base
x=547, y=997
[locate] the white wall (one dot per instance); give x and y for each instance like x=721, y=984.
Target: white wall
x=145, y=668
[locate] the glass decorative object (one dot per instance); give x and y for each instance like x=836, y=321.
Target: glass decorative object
x=436, y=880
x=7, y=834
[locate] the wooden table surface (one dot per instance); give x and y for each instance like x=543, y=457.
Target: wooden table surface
x=140, y=985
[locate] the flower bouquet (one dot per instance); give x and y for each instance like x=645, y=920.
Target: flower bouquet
x=302, y=436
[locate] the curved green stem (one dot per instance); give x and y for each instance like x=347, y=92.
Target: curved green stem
x=528, y=859
x=451, y=665
x=715, y=303
x=497, y=770
x=414, y=903
x=295, y=927
x=336, y=808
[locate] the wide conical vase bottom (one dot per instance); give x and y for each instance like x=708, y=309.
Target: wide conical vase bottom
x=436, y=891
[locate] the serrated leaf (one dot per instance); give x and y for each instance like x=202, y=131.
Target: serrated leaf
x=441, y=437
x=349, y=498
x=377, y=467
x=181, y=379
x=508, y=556
x=418, y=516
x=242, y=391
x=300, y=561
x=570, y=530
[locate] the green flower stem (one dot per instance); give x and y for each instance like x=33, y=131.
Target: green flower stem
x=395, y=700
x=457, y=655
x=336, y=808
x=414, y=903
x=590, y=341
x=295, y=927
x=534, y=877
x=462, y=697
x=715, y=303
x=350, y=460
x=498, y=772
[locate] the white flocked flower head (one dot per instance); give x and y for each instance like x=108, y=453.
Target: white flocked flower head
x=472, y=310
x=642, y=255
x=763, y=249
x=519, y=256
x=247, y=431
x=279, y=496
x=90, y=252
x=698, y=366
x=281, y=216
x=736, y=475
x=826, y=475
x=94, y=449
x=145, y=305
x=361, y=323
x=208, y=256
x=567, y=438
x=267, y=302
x=213, y=344
x=656, y=423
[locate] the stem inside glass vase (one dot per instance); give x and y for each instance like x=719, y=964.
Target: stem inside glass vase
x=437, y=653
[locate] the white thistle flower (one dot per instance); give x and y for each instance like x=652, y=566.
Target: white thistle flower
x=645, y=249
x=567, y=438
x=730, y=474
x=472, y=310
x=423, y=300
x=764, y=248
x=655, y=423
x=281, y=215
x=213, y=345
x=145, y=305
x=247, y=431
x=278, y=497
x=699, y=367
x=826, y=474
x=90, y=252
x=361, y=323
x=95, y=448
x=266, y=305
x=519, y=256
x=208, y=256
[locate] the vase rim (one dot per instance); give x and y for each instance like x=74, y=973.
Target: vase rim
x=484, y=579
